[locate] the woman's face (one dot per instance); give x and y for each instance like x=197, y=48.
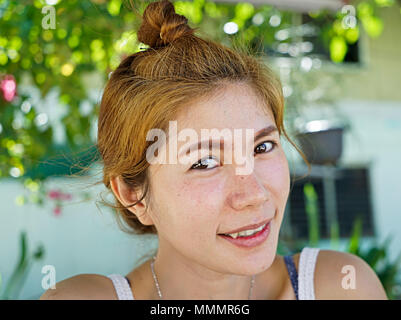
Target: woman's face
x=190, y=207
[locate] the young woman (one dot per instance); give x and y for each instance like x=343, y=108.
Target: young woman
x=197, y=207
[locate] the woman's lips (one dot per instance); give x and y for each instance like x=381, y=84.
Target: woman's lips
x=253, y=226
x=252, y=240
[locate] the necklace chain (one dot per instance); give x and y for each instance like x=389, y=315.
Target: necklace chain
x=158, y=286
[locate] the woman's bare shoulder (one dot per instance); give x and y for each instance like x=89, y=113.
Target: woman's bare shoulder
x=345, y=276
x=82, y=287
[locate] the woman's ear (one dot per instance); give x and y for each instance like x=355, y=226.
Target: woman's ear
x=127, y=196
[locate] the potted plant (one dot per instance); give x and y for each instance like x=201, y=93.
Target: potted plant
x=312, y=114
x=321, y=141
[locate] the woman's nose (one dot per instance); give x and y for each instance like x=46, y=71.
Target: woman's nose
x=248, y=192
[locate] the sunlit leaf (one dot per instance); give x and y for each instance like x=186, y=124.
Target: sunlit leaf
x=364, y=9
x=338, y=49
x=384, y=3
x=244, y=10
x=352, y=35
x=338, y=27
x=3, y=58
x=114, y=7
x=373, y=26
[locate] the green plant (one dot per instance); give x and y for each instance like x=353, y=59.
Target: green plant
x=25, y=261
x=312, y=212
x=377, y=256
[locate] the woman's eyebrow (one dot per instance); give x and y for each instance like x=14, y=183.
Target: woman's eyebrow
x=265, y=132
x=214, y=144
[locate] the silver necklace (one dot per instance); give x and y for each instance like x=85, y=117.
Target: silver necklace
x=158, y=286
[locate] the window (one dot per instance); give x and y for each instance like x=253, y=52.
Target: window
x=353, y=199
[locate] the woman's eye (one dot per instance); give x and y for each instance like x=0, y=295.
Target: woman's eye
x=265, y=147
x=203, y=163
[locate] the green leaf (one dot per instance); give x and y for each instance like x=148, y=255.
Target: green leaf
x=338, y=48
x=352, y=35
x=355, y=237
x=312, y=212
x=20, y=269
x=244, y=10
x=373, y=26
x=384, y=3
x=39, y=253
x=113, y=7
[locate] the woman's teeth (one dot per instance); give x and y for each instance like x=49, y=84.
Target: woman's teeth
x=245, y=233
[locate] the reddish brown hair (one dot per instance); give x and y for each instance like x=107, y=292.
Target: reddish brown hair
x=149, y=87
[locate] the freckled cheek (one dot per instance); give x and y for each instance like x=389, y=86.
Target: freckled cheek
x=198, y=205
x=275, y=176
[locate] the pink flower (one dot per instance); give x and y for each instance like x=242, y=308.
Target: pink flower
x=57, y=211
x=53, y=194
x=65, y=196
x=57, y=195
x=9, y=87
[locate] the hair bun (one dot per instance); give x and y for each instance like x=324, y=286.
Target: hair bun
x=161, y=25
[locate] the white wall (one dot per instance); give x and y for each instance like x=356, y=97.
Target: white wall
x=376, y=137
x=82, y=239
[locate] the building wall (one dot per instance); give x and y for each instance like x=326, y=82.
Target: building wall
x=379, y=76
x=82, y=239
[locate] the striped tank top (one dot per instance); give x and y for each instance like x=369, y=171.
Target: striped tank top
x=302, y=280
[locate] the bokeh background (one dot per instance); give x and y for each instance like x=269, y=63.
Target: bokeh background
x=340, y=65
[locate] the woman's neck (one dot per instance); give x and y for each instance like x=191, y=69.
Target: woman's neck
x=182, y=281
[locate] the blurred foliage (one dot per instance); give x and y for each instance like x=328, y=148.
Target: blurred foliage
x=54, y=68
x=312, y=212
x=17, y=279
x=374, y=254
x=377, y=256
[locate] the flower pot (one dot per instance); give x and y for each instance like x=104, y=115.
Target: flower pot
x=322, y=147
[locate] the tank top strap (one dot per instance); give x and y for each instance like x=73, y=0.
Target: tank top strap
x=292, y=272
x=306, y=270
x=122, y=287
